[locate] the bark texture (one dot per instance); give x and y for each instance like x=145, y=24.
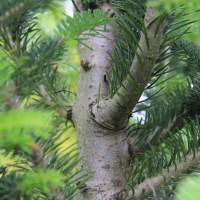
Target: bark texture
x=101, y=123
x=103, y=151
x=113, y=113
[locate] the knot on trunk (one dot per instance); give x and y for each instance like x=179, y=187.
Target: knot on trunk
x=103, y=115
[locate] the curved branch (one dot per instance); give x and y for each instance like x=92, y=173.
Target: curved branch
x=114, y=113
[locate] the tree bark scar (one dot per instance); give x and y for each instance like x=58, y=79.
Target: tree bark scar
x=108, y=8
x=85, y=64
x=105, y=78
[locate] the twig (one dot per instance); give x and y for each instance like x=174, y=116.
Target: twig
x=75, y=6
x=65, y=113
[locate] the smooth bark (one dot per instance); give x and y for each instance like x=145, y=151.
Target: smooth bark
x=114, y=113
x=103, y=151
x=100, y=122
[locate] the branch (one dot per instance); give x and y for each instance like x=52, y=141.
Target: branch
x=65, y=113
x=177, y=123
x=75, y=6
x=39, y=160
x=114, y=113
x=150, y=185
x=134, y=149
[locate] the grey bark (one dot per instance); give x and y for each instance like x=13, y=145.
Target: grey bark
x=113, y=113
x=100, y=123
x=103, y=152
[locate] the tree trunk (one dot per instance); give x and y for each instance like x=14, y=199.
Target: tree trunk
x=103, y=151
x=101, y=122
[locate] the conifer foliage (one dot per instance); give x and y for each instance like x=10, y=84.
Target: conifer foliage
x=38, y=158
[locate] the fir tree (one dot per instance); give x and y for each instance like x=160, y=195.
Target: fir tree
x=127, y=51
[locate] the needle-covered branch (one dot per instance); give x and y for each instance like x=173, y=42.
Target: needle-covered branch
x=150, y=185
x=174, y=125
x=114, y=113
